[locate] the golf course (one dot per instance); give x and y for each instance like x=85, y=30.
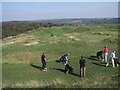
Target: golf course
x=21, y=57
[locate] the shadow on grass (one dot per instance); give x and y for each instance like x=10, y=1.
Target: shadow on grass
x=58, y=61
x=35, y=66
x=62, y=70
x=5, y=63
x=92, y=58
x=98, y=64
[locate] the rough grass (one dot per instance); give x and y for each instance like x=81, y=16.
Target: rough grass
x=21, y=62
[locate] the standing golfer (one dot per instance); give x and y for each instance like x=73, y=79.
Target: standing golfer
x=112, y=59
x=82, y=66
x=105, y=51
x=44, y=61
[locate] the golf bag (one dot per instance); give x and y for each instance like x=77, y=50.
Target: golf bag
x=99, y=54
x=116, y=61
x=68, y=68
x=63, y=60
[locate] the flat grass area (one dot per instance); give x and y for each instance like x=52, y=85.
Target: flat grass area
x=21, y=57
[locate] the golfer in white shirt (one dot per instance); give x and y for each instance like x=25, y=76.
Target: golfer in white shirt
x=112, y=57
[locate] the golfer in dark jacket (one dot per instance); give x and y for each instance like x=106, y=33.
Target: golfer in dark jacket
x=82, y=66
x=64, y=59
x=99, y=54
x=43, y=60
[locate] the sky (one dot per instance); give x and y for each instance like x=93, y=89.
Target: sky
x=60, y=0
x=57, y=10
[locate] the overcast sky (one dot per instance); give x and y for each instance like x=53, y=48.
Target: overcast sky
x=57, y=10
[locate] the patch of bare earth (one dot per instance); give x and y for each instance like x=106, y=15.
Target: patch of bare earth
x=72, y=37
x=26, y=39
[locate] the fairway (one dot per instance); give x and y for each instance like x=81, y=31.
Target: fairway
x=21, y=56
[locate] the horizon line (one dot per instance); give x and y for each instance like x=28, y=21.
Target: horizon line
x=61, y=18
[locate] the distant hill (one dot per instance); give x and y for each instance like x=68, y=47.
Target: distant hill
x=82, y=21
x=12, y=28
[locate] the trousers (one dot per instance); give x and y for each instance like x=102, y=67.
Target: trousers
x=82, y=71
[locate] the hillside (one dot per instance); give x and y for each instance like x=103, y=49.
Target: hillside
x=21, y=57
x=82, y=21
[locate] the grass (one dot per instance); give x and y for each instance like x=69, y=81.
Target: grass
x=21, y=63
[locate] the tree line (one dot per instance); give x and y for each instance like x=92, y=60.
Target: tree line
x=13, y=28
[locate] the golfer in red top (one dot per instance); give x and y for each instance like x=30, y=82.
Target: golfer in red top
x=105, y=51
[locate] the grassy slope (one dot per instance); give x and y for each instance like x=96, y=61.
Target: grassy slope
x=77, y=40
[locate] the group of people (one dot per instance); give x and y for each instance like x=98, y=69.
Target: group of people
x=113, y=59
x=69, y=69
x=64, y=60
